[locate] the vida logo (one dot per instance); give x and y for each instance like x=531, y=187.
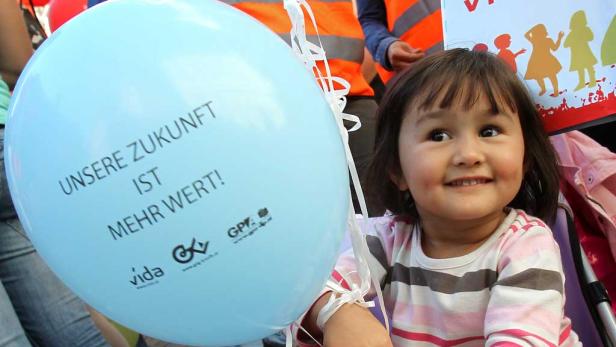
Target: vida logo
x=140, y=278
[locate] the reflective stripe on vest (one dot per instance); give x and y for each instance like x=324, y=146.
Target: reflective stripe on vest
x=400, y=19
x=339, y=30
x=336, y=47
x=418, y=23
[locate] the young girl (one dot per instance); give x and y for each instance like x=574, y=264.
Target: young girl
x=462, y=161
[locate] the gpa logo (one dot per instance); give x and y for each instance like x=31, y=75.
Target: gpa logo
x=240, y=227
x=249, y=225
x=146, y=277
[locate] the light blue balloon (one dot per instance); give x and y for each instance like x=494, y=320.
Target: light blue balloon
x=179, y=169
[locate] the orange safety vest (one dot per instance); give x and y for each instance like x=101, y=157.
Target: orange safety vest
x=418, y=23
x=339, y=30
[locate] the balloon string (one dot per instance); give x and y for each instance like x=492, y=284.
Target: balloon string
x=310, y=54
x=289, y=334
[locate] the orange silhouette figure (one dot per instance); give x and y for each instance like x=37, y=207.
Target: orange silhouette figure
x=582, y=57
x=502, y=42
x=542, y=64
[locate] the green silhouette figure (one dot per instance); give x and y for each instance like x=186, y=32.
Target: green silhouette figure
x=542, y=63
x=582, y=57
x=608, y=46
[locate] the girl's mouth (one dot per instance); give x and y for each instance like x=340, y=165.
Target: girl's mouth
x=464, y=182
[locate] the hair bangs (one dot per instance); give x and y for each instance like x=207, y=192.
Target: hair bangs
x=465, y=84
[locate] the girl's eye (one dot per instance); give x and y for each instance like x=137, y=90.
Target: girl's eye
x=489, y=131
x=439, y=135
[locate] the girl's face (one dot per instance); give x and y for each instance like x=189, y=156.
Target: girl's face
x=461, y=165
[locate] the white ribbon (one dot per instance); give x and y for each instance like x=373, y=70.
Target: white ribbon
x=310, y=54
x=354, y=295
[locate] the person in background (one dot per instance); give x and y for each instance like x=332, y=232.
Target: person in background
x=400, y=32
x=35, y=307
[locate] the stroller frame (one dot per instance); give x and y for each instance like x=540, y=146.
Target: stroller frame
x=588, y=304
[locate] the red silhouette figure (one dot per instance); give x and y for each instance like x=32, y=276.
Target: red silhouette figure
x=502, y=42
x=480, y=47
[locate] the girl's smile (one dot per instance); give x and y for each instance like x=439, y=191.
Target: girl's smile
x=468, y=182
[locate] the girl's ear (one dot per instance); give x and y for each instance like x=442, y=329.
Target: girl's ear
x=399, y=181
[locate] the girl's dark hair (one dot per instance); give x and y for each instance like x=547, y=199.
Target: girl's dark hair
x=460, y=75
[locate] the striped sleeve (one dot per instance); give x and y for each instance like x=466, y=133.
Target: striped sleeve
x=380, y=239
x=526, y=302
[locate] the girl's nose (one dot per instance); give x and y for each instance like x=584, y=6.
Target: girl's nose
x=468, y=152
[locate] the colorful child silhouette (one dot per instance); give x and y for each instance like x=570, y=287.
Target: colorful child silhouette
x=542, y=64
x=502, y=42
x=608, y=46
x=582, y=57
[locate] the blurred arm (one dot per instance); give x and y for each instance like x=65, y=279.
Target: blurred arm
x=15, y=45
x=373, y=19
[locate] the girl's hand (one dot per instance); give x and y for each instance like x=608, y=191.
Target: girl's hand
x=353, y=325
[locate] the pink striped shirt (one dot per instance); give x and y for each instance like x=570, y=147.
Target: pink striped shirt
x=508, y=292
